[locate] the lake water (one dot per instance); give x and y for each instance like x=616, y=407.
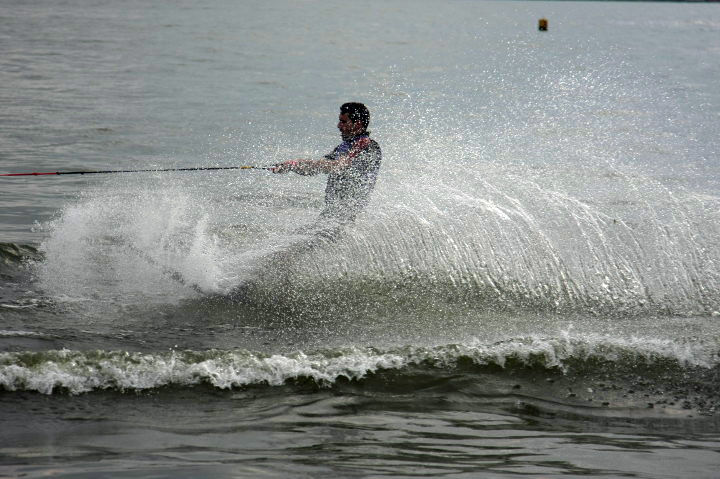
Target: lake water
x=534, y=290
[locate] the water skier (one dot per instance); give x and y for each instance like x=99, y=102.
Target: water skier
x=352, y=169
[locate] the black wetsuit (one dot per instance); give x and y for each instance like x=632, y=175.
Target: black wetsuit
x=348, y=191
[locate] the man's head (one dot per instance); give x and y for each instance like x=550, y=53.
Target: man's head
x=354, y=120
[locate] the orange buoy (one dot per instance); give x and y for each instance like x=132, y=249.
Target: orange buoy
x=543, y=24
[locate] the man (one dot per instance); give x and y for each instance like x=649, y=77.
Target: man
x=352, y=167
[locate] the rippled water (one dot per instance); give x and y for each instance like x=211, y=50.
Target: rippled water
x=533, y=290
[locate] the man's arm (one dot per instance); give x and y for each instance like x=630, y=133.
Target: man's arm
x=313, y=167
x=328, y=164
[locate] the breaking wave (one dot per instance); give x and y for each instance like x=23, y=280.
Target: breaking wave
x=78, y=372
x=13, y=254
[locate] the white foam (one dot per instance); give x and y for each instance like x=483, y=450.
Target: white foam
x=80, y=372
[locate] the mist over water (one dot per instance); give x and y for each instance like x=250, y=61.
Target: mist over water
x=556, y=188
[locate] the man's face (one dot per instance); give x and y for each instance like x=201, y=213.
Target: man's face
x=347, y=128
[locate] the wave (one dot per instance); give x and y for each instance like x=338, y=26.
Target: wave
x=531, y=247
x=505, y=236
x=15, y=275
x=18, y=334
x=13, y=254
x=546, y=365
